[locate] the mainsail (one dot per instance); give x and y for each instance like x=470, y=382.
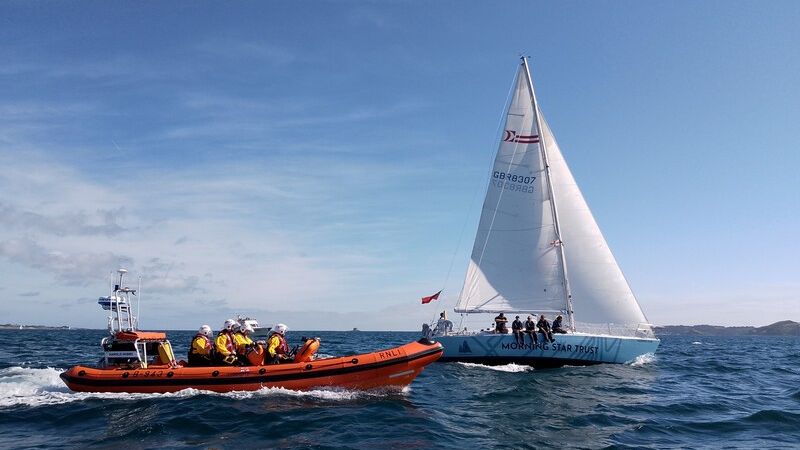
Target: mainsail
x=518, y=262
x=515, y=265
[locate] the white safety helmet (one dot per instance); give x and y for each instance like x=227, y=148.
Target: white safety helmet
x=229, y=324
x=205, y=330
x=237, y=327
x=247, y=329
x=280, y=329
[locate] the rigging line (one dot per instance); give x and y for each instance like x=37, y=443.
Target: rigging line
x=491, y=155
x=502, y=191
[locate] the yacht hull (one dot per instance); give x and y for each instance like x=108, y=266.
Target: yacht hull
x=568, y=349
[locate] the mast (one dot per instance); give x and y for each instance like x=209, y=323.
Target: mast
x=553, y=208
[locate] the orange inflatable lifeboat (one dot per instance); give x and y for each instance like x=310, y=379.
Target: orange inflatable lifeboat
x=396, y=366
x=143, y=361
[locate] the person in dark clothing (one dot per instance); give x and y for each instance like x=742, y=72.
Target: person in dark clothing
x=500, y=324
x=544, y=327
x=557, y=327
x=530, y=328
x=516, y=328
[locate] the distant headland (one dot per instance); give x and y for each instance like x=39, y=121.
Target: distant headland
x=782, y=328
x=16, y=326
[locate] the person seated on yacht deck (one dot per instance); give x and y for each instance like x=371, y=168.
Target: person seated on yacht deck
x=557, y=327
x=530, y=328
x=201, y=352
x=500, y=324
x=277, y=348
x=225, y=345
x=516, y=328
x=242, y=341
x=544, y=327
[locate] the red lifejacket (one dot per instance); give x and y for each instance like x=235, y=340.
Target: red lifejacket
x=283, y=347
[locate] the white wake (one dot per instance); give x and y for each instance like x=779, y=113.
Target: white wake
x=512, y=368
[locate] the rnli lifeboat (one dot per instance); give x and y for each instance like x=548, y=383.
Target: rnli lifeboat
x=143, y=361
x=396, y=366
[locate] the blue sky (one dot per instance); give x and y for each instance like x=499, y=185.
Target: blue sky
x=315, y=164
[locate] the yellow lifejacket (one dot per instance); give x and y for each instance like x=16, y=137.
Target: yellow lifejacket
x=201, y=345
x=241, y=342
x=225, y=343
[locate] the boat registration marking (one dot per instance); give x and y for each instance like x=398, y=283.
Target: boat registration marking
x=147, y=373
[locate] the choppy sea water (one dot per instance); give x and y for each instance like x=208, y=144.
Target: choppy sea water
x=734, y=392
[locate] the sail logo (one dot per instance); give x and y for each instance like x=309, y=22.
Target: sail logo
x=464, y=348
x=512, y=136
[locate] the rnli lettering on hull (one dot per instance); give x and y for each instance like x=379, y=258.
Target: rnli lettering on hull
x=389, y=354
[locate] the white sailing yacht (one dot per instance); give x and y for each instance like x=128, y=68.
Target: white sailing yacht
x=538, y=250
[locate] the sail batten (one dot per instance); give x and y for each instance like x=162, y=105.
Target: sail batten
x=537, y=241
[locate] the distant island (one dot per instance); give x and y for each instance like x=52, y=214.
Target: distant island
x=782, y=328
x=16, y=326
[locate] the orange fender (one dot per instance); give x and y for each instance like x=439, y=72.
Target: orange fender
x=307, y=351
x=256, y=355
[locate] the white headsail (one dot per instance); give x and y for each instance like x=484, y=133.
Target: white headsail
x=516, y=262
x=600, y=293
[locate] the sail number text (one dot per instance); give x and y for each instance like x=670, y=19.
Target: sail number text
x=512, y=182
x=512, y=177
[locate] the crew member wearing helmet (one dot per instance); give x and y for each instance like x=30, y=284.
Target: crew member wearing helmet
x=225, y=345
x=277, y=348
x=201, y=351
x=241, y=338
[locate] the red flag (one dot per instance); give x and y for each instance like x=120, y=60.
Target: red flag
x=431, y=298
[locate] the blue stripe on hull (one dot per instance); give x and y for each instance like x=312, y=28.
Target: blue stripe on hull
x=569, y=349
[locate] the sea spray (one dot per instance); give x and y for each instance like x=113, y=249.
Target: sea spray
x=642, y=360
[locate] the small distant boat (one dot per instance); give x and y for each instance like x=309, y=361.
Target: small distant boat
x=356, y=329
x=539, y=250
x=143, y=361
x=259, y=332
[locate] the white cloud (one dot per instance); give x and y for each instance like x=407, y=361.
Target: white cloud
x=71, y=267
x=79, y=222
x=232, y=237
x=264, y=52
